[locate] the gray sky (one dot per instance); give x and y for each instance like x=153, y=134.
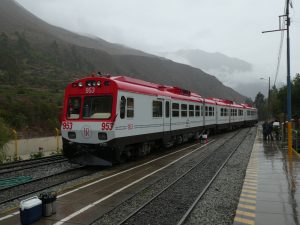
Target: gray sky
x=232, y=27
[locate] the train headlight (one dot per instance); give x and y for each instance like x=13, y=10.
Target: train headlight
x=102, y=136
x=72, y=135
x=98, y=83
x=80, y=84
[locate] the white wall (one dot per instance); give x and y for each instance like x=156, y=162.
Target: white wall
x=29, y=146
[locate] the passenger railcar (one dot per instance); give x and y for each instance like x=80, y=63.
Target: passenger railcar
x=109, y=119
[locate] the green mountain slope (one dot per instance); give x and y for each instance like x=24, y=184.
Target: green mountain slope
x=37, y=60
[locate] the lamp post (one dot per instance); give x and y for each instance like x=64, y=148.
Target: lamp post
x=269, y=90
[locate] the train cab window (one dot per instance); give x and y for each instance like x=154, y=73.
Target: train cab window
x=175, y=110
x=97, y=107
x=183, y=110
x=191, y=111
x=197, y=110
x=157, y=109
x=74, y=104
x=130, y=107
x=167, y=109
x=122, y=107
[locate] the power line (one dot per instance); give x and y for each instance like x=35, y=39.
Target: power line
x=281, y=24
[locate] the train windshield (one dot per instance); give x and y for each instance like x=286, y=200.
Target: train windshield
x=97, y=107
x=74, y=104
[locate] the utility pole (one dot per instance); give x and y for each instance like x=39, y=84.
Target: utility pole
x=269, y=100
x=289, y=96
x=289, y=91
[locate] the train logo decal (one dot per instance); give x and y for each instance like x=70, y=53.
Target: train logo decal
x=86, y=132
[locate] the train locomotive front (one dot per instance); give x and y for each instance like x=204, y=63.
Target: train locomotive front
x=88, y=119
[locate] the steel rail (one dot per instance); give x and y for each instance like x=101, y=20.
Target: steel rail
x=25, y=167
x=71, y=171
x=10, y=165
x=189, y=211
x=203, y=157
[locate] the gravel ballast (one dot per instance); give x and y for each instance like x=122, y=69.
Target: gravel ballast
x=219, y=203
x=123, y=210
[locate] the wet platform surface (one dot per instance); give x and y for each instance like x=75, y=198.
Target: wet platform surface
x=271, y=190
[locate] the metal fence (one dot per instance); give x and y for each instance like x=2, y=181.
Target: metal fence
x=295, y=136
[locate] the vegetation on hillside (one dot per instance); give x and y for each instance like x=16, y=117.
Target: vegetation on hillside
x=276, y=105
x=32, y=83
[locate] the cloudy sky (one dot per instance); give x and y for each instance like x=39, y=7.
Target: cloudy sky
x=232, y=27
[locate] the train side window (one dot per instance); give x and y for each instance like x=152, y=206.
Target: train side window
x=167, y=109
x=122, y=107
x=202, y=110
x=157, y=109
x=206, y=111
x=191, y=111
x=211, y=111
x=183, y=110
x=130, y=107
x=197, y=110
x=175, y=110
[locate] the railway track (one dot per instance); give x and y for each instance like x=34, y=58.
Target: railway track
x=173, y=203
x=29, y=164
x=36, y=185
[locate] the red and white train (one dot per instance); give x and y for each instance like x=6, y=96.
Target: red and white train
x=109, y=119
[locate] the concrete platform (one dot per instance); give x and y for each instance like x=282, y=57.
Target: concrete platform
x=271, y=190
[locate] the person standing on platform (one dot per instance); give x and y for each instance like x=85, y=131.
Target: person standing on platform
x=265, y=128
x=269, y=131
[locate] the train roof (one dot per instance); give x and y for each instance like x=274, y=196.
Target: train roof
x=134, y=85
x=144, y=87
x=248, y=106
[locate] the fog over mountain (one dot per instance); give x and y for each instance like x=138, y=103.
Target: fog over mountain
x=231, y=71
x=65, y=55
x=209, y=61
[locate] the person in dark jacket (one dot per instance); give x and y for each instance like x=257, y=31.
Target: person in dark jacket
x=269, y=131
x=265, y=128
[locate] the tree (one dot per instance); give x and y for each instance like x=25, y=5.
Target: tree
x=260, y=104
x=5, y=136
x=248, y=101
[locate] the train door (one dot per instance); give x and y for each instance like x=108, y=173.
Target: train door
x=167, y=119
x=203, y=114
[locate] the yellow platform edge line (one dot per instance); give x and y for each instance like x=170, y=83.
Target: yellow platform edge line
x=248, y=200
x=254, y=188
x=250, y=180
x=249, y=191
x=245, y=221
x=248, y=196
x=243, y=213
x=251, y=207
